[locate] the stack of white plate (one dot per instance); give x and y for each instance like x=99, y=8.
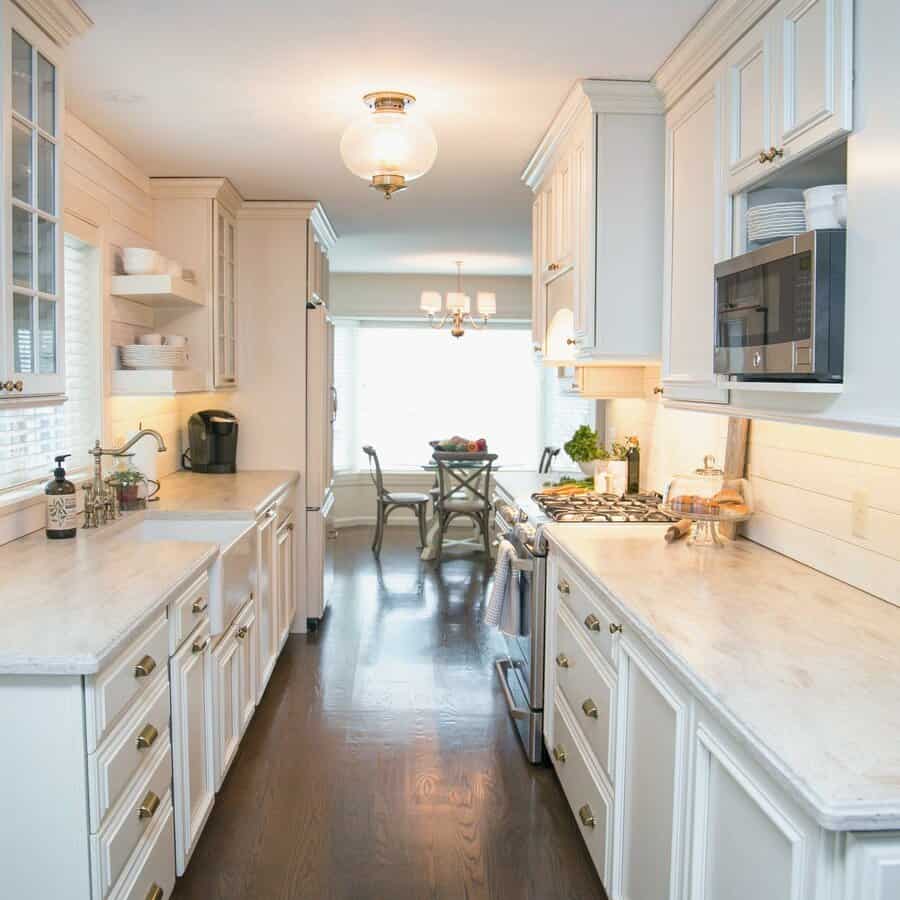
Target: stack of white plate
x=771, y=221
x=145, y=356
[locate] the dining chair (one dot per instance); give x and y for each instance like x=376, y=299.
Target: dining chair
x=388, y=501
x=547, y=457
x=464, y=491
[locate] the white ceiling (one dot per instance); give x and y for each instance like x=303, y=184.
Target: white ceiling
x=261, y=93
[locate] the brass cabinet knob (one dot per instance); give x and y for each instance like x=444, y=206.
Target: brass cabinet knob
x=8, y=386
x=147, y=737
x=536, y=346
x=552, y=267
x=150, y=805
x=590, y=709
x=155, y=893
x=613, y=628
x=199, y=646
x=242, y=632
x=18, y=386
x=659, y=390
x=775, y=152
x=562, y=660
x=592, y=623
x=586, y=816
x=144, y=667
x=571, y=342
x=763, y=157
x=559, y=753
x=199, y=605
x=563, y=587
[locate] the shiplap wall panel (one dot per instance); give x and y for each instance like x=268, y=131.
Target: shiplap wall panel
x=804, y=479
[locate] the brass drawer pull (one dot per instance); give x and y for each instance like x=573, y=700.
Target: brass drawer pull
x=200, y=645
x=559, y=753
x=156, y=893
x=144, y=667
x=586, y=816
x=563, y=587
x=147, y=737
x=562, y=660
x=149, y=806
x=614, y=629
x=199, y=605
x=763, y=157
x=552, y=267
x=590, y=709
x=242, y=632
x=592, y=623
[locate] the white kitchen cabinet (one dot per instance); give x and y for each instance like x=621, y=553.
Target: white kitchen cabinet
x=32, y=322
x=696, y=237
x=537, y=284
x=234, y=688
x=749, y=840
x=266, y=598
x=598, y=180
x=652, y=740
x=225, y=302
x=873, y=866
x=284, y=582
x=190, y=675
x=789, y=87
x=195, y=223
x=813, y=67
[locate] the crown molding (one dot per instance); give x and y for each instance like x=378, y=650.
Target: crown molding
x=220, y=189
x=310, y=210
x=598, y=96
x=62, y=20
x=722, y=26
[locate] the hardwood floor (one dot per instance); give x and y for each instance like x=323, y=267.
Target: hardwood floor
x=382, y=762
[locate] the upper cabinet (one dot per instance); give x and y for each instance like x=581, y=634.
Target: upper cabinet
x=195, y=222
x=696, y=238
x=788, y=87
x=596, y=237
x=31, y=305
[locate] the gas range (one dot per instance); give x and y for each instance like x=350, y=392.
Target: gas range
x=600, y=508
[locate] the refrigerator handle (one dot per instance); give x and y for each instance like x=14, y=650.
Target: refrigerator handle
x=334, y=404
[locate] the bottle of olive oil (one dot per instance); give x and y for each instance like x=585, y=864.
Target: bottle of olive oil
x=62, y=516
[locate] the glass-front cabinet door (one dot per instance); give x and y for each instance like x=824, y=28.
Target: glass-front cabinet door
x=225, y=312
x=31, y=358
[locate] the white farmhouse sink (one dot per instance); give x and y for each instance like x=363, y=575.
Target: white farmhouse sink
x=232, y=574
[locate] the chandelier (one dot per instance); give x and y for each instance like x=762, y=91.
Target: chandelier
x=389, y=146
x=458, y=307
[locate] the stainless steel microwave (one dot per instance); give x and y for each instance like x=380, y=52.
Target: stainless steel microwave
x=780, y=310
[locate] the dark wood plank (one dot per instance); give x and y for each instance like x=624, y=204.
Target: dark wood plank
x=382, y=762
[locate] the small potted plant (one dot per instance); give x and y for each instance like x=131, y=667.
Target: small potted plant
x=584, y=448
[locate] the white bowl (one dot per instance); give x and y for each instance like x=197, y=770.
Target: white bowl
x=819, y=196
x=150, y=340
x=139, y=260
x=175, y=340
x=840, y=209
x=821, y=217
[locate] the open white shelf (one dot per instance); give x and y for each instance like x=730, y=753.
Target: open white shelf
x=783, y=387
x=161, y=291
x=156, y=382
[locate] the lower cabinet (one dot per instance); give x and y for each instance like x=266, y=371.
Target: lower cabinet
x=651, y=763
x=267, y=600
x=234, y=687
x=284, y=580
x=190, y=674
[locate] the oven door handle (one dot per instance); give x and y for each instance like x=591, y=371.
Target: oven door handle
x=517, y=712
x=523, y=565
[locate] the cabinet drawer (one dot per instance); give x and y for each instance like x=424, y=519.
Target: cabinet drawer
x=113, y=689
x=590, y=800
x=154, y=867
x=130, y=821
x=594, y=618
x=588, y=687
x=188, y=611
x=127, y=748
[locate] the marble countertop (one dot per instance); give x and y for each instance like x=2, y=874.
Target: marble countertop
x=802, y=666
x=69, y=606
x=244, y=495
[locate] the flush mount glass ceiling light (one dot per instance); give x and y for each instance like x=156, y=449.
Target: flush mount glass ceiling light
x=389, y=145
x=459, y=306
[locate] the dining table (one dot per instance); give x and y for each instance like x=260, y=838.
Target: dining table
x=430, y=550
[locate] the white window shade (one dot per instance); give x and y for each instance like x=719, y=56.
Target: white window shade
x=31, y=436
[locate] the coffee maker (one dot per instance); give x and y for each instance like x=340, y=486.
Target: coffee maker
x=213, y=435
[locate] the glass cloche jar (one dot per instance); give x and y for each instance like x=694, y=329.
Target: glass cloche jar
x=707, y=497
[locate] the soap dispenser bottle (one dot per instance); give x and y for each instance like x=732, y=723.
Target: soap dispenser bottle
x=62, y=516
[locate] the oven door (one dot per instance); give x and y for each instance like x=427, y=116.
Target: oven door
x=764, y=310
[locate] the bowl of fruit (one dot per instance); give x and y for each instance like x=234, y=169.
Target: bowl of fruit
x=459, y=444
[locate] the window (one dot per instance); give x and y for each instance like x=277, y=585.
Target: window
x=561, y=415
x=30, y=436
x=403, y=384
